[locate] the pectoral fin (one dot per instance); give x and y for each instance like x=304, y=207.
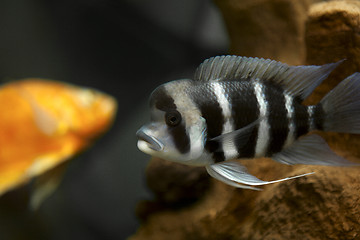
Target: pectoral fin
x=45, y=185
x=239, y=136
x=311, y=150
x=236, y=175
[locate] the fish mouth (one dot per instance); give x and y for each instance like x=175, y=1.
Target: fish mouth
x=151, y=141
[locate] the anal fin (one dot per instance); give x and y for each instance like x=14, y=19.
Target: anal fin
x=311, y=150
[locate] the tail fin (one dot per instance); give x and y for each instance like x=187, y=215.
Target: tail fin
x=342, y=106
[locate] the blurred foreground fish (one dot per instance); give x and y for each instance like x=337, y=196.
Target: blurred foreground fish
x=239, y=107
x=44, y=123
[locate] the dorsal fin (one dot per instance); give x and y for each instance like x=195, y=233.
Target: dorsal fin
x=298, y=81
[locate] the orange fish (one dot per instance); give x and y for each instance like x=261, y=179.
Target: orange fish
x=44, y=123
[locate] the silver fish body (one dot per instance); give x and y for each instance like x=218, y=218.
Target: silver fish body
x=238, y=107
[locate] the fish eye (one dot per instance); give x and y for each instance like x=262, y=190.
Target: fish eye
x=172, y=118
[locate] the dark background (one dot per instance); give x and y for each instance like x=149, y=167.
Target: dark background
x=124, y=48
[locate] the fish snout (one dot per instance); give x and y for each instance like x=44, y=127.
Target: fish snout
x=146, y=138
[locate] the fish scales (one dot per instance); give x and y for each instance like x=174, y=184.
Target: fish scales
x=311, y=121
x=301, y=119
x=245, y=110
x=318, y=117
x=289, y=105
x=238, y=107
x=222, y=98
x=226, y=113
x=244, y=105
x=277, y=118
x=263, y=131
x=204, y=97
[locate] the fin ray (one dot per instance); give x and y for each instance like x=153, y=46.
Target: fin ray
x=46, y=184
x=311, y=150
x=227, y=181
x=235, y=174
x=240, y=136
x=342, y=106
x=296, y=80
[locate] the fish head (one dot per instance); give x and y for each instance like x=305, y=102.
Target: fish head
x=175, y=132
x=60, y=108
x=93, y=111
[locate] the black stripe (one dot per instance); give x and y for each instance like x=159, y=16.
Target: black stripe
x=245, y=110
x=206, y=101
x=277, y=118
x=318, y=117
x=163, y=101
x=301, y=119
x=180, y=138
x=218, y=157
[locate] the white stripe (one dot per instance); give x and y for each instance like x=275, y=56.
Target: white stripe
x=290, y=116
x=310, y=110
x=185, y=105
x=263, y=132
x=229, y=148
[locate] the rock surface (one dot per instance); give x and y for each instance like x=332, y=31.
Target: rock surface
x=266, y=28
x=174, y=183
x=324, y=205
x=314, y=207
x=332, y=34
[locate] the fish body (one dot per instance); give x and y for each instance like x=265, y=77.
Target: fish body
x=238, y=107
x=43, y=123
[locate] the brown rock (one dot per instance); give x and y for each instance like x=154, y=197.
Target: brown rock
x=174, y=183
x=318, y=206
x=332, y=34
x=266, y=28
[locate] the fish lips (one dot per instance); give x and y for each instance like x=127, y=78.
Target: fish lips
x=152, y=142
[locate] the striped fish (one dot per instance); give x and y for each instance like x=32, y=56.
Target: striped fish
x=239, y=107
